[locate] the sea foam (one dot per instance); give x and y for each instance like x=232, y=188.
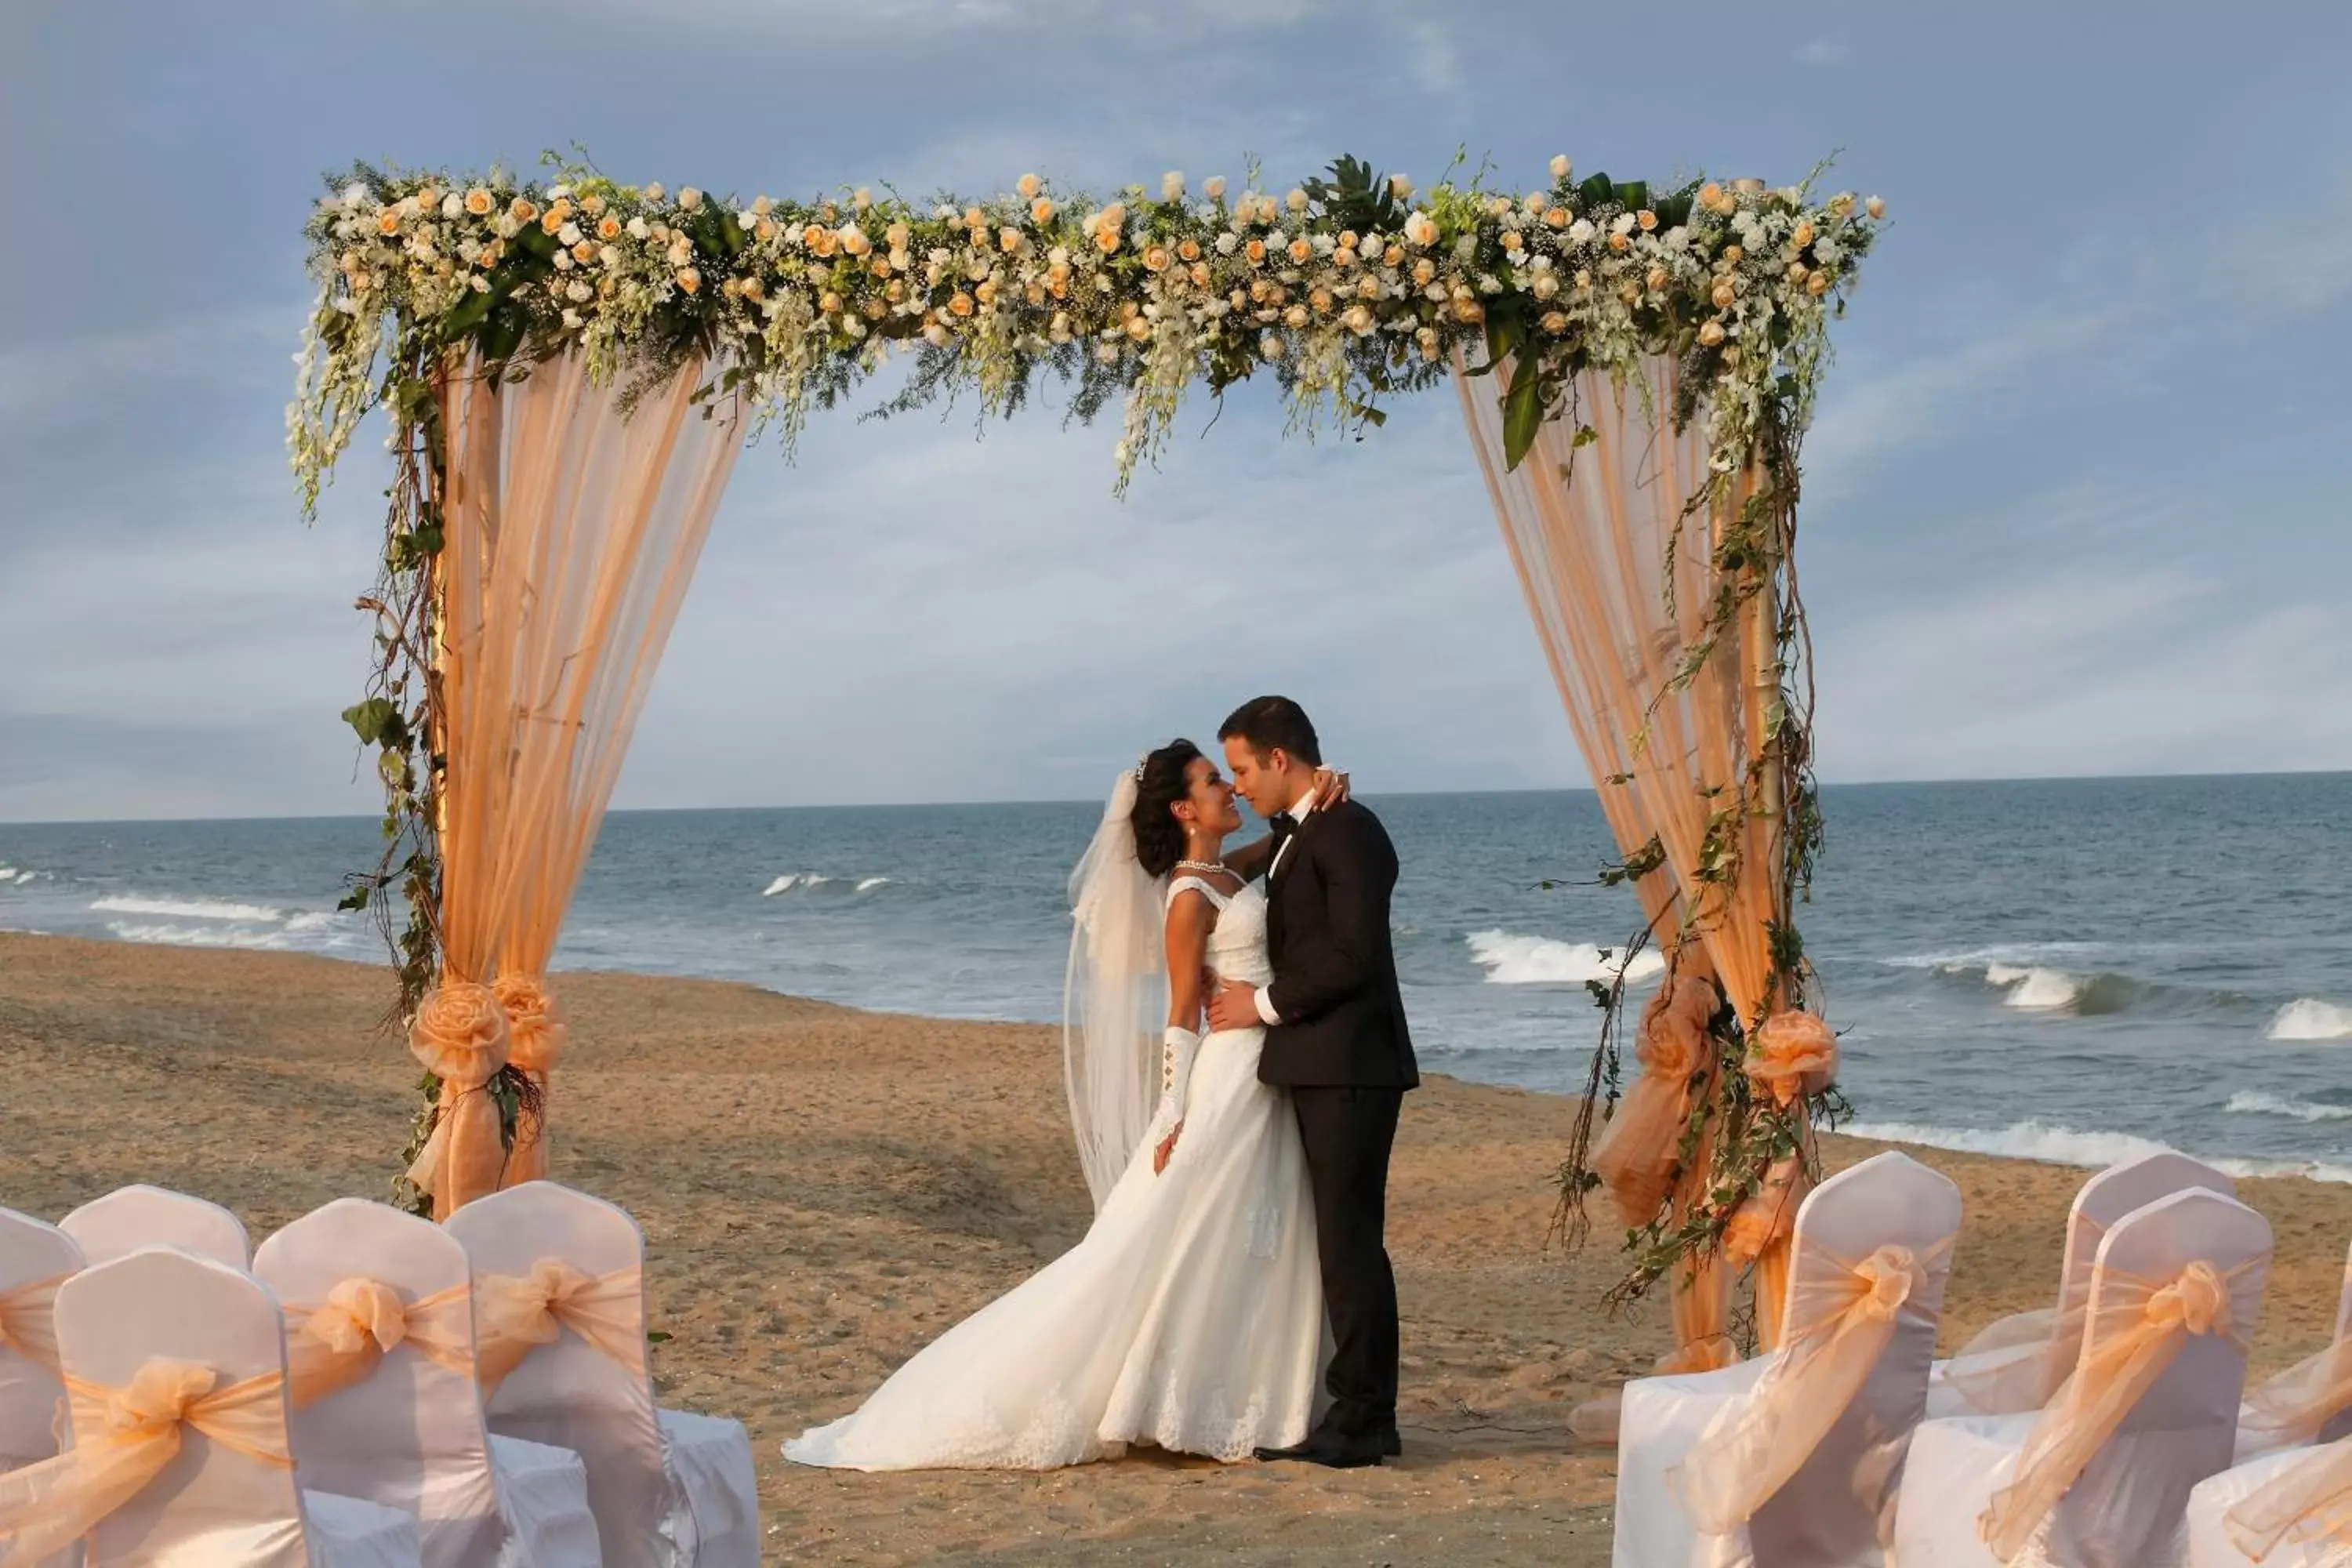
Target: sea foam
x=2309, y=1018
x=2067, y=1146
x=186, y=908
x=1513, y=960
x=2254, y=1102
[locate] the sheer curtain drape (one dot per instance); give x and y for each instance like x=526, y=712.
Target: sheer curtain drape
x=1613, y=542
x=573, y=519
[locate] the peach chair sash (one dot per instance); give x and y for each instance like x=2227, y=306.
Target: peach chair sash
x=1839, y=1321
x=2310, y=1505
x=516, y=1314
x=2015, y=1363
x=124, y=1438
x=337, y=1343
x=28, y=1320
x=2140, y=1325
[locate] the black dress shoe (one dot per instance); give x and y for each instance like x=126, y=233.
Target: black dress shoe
x=1331, y=1452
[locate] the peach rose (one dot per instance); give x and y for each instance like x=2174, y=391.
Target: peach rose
x=608, y=227
x=521, y=209
x=387, y=221
x=1620, y=242
x=479, y=202
x=1874, y=207
x=1139, y=329
x=1724, y=294
x=1710, y=195
x=1041, y=210
x=1256, y=251
x=461, y=1033
x=1819, y=283
x=1793, y=1054
x=1028, y=185
x=1155, y=257
x=1657, y=280
x=959, y=304
x=690, y=280
x=1295, y=317
x=1647, y=219
x=1554, y=322
x=1301, y=252
x=584, y=252
x=1107, y=238
x=1189, y=249
x=1555, y=217
x=1711, y=333
x=1802, y=235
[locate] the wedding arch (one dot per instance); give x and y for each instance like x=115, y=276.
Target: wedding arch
x=570, y=366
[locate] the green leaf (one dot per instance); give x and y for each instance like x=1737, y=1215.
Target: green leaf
x=357, y=898
x=656, y=1337
x=376, y=720
x=1523, y=413
x=1597, y=191
x=1634, y=194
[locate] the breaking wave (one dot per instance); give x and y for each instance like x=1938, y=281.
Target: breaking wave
x=1512, y=960
x=186, y=908
x=2067, y=1146
x=2309, y=1018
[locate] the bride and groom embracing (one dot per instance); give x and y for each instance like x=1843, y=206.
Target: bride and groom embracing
x=1242, y=1218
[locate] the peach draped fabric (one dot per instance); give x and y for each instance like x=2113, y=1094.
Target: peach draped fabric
x=2294, y=1406
x=2309, y=1505
x=1841, y=1321
x=1634, y=1155
x=572, y=529
x=28, y=1320
x=2138, y=1329
x=1613, y=541
x=122, y=1439
x=516, y=1314
x=337, y=1343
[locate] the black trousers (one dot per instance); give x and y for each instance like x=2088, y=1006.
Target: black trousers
x=1348, y=1133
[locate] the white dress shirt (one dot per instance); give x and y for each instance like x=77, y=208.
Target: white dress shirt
x=1296, y=811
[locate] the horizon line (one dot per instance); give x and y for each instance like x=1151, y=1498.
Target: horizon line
x=1375, y=795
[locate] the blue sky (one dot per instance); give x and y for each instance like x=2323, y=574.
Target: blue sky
x=2077, y=497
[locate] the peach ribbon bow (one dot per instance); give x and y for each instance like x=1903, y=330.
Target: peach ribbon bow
x=1843, y=1315
x=2140, y=1326
x=2310, y=1503
x=2290, y=1409
x=331, y=1346
x=123, y=1439
x=28, y=1320
x=515, y=1315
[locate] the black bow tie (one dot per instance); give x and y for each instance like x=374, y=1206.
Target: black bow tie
x=1284, y=824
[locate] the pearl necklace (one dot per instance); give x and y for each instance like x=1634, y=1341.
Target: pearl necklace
x=1208, y=867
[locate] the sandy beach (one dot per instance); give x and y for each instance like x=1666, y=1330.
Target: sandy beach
x=824, y=1190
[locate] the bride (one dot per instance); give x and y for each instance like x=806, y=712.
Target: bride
x=1191, y=1316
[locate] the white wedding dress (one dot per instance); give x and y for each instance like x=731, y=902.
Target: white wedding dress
x=1190, y=1317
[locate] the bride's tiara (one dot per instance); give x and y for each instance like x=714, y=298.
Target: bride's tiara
x=1139, y=763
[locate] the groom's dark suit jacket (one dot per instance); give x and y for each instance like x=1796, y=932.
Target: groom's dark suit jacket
x=1335, y=985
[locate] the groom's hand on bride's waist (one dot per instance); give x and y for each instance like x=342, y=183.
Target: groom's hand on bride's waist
x=1234, y=1005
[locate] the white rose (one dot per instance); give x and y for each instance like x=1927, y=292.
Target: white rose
x=638, y=230
x=943, y=212
x=568, y=234
x=1213, y=187
x=1421, y=230
x=1560, y=166
x=1546, y=285
x=610, y=255
x=571, y=317
x=1228, y=243
x=1401, y=187
x=1171, y=185
x=689, y=198
x=469, y=250
x=356, y=196
x=654, y=192
x=1623, y=222
x=1058, y=257
x=581, y=293
x=559, y=190
x=1296, y=200
x=1582, y=231
x=453, y=205
x=508, y=225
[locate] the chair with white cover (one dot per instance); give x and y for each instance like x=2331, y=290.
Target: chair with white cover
x=2017, y=1364
x=560, y=1315
x=380, y=1355
x=1793, y=1457
x=132, y=1217
x=2100, y=1478
x=2290, y=1494
x=34, y=1259
x=175, y=1372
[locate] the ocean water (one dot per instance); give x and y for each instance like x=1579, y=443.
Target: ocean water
x=2070, y=970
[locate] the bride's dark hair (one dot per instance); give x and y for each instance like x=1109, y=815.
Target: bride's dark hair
x=1159, y=837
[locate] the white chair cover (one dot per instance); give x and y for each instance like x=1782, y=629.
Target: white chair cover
x=36, y=1258
x=410, y=1434
x=1836, y=1507
x=2124, y=1508
x=669, y=1489
x=2213, y=1544
x=132, y=1217
x=211, y=1504
x=2016, y=1364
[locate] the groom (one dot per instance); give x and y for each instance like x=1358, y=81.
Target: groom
x=1335, y=1039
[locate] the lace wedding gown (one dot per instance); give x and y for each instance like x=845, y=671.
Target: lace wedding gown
x=1191, y=1316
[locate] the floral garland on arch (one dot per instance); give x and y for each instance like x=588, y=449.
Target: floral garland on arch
x=1345, y=290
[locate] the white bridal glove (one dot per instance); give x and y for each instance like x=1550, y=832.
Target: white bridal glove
x=1178, y=1046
